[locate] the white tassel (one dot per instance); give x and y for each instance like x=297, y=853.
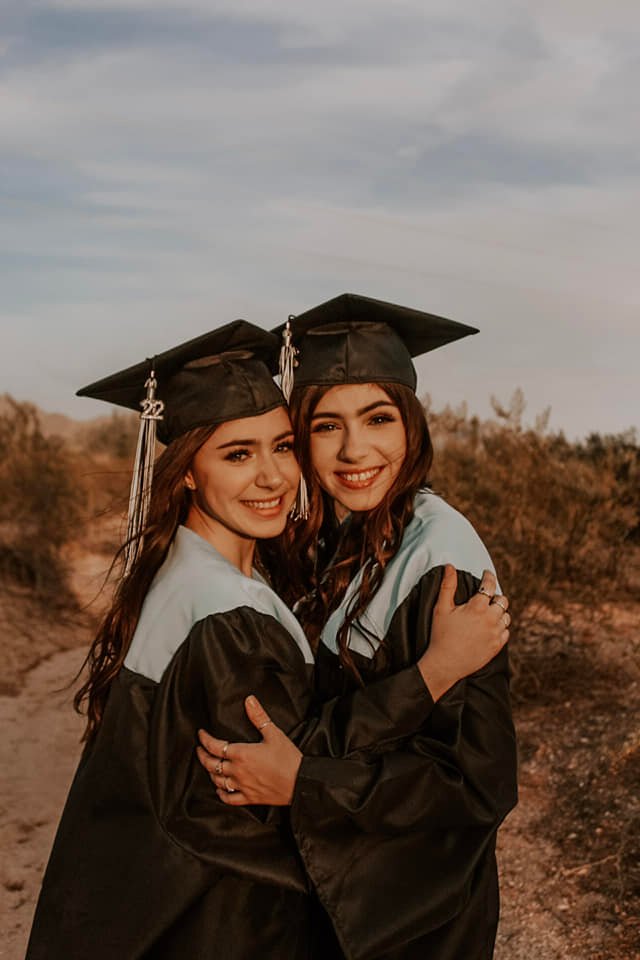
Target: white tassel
x=300, y=509
x=288, y=362
x=140, y=494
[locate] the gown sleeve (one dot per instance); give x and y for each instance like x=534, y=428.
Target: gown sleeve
x=424, y=814
x=224, y=659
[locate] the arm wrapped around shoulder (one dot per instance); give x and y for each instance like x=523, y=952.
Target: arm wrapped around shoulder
x=424, y=815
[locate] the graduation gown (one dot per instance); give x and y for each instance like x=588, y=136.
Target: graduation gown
x=400, y=842
x=147, y=861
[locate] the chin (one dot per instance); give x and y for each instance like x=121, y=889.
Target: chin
x=360, y=502
x=265, y=529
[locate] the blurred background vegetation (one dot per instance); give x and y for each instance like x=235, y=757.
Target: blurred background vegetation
x=561, y=518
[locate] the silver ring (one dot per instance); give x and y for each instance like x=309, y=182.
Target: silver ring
x=224, y=750
x=485, y=593
x=265, y=724
x=498, y=604
x=227, y=787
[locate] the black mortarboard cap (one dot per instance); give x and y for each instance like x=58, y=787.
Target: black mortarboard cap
x=356, y=339
x=223, y=375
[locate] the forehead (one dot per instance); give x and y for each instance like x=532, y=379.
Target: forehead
x=264, y=426
x=346, y=398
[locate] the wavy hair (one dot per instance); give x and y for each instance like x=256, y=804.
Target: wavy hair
x=169, y=505
x=370, y=540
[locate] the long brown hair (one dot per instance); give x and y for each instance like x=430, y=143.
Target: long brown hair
x=168, y=509
x=370, y=540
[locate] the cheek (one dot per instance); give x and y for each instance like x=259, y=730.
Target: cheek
x=220, y=481
x=323, y=452
x=397, y=449
x=291, y=470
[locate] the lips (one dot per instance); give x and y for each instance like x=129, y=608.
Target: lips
x=358, y=479
x=265, y=508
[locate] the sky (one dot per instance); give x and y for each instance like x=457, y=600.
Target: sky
x=166, y=167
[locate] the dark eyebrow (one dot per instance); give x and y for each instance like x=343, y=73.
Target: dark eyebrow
x=253, y=443
x=359, y=413
x=237, y=443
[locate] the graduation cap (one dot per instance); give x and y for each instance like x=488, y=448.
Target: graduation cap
x=356, y=339
x=223, y=375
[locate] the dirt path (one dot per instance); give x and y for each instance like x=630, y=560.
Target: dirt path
x=39, y=751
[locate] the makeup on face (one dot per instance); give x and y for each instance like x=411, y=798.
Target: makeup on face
x=245, y=477
x=358, y=445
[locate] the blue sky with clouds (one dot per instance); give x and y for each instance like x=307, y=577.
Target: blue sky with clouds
x=166, y=167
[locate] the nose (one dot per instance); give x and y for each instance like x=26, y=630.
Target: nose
x=269, y=475
x=354, y=447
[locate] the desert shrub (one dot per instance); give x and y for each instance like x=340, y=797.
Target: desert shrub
x=555, y=516
x=114, y=436
x=559, y=518
x=39, y=503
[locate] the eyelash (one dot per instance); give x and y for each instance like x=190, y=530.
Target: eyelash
x=242, y=454
x=377, y=420
x=237, y=456
x=382, y=418
x=324, y=427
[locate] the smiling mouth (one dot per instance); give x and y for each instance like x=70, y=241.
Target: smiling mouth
x=265, y=508
x=358, y=479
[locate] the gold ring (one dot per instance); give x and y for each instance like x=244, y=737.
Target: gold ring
x=485, y=593
x=224, y=750
x=265, y=724
x=227, y=787
x=498, y=604
x=218, y=767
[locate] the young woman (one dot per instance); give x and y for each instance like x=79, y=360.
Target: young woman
x=407, y=866
x=147, y=863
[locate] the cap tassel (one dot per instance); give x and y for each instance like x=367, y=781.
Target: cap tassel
x=288, y=362
x=300, y=509
x=140, y=495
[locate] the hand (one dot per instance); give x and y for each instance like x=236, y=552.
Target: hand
x=252, y=772
x=463, y=638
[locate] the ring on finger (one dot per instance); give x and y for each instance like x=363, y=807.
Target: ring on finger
x=485, y=593
x=218, y=767
x=496, y=600
x=224, y=750
x=265, y=724
x=227, y=787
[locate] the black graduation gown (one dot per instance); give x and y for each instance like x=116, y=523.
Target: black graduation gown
x=400, y=845
x=148, y=862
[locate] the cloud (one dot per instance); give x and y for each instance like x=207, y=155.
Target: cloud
x=167, y=166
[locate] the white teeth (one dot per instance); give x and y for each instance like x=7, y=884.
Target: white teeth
x=360, y=477
x=263, y=504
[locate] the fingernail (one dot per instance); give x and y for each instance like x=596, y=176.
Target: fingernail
x=251, y=701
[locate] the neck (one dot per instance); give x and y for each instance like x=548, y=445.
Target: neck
x=340, y=511
x=235, y=548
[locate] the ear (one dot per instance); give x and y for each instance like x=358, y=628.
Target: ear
x=189, y=482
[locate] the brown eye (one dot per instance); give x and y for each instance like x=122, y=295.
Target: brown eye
x=381, y=418
x=327, y=427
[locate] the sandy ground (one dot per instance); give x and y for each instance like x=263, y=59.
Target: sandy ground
x=38, y=754
x=555, y=904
